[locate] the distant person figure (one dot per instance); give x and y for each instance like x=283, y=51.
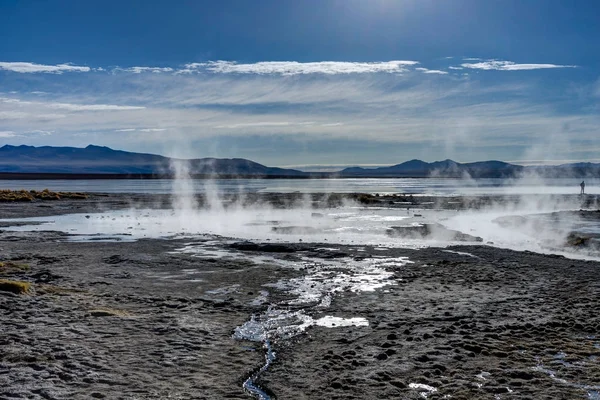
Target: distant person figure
x=582, y=184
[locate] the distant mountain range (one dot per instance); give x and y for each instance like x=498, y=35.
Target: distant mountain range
x=446, y=168
x=97, y=160
x=104, y=160
x=480, y=169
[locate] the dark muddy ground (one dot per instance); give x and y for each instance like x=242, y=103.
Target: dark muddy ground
x=125, y=321
x=492, y=324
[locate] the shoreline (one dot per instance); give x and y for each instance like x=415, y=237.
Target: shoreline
x=149, y=320
x=102, y=201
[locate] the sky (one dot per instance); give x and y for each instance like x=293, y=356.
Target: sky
x=309, y=84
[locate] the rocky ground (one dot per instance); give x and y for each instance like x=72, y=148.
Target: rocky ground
x=142, y=320
x=492, y=324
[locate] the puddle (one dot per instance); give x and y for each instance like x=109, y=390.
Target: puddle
x=313, y=293
x=262, y=298
x=358, y=225
x=331, y=322
x=483, y=375
x=460, y=253
x=250, y=383
x=591, y=390
x=326, y=279
x=354, y=224
x=424, y=390
x=279, y=324
x=224, y=290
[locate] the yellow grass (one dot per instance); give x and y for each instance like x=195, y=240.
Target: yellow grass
x=17, y=287
x=9, y=267
x=7, y=195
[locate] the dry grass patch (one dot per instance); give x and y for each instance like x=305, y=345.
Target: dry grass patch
x=9, y=267
x=17, y=287
x=52, y=289
x=7, y=195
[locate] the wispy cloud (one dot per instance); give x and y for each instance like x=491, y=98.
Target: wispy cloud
x=29, y=68
x=41, y=132
x=141, y=130
x=92, y=107
x=264, y=124
x=283, y=68
x=11, y=134
x=431, y=71
x=139, y=70
x=510, y=66
x=69, y=106
x=338, y=110
x=5, y=115
x=19, y=115
x=596, y=89
x=288, y=68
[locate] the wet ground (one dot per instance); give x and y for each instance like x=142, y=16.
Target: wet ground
x=212, y=318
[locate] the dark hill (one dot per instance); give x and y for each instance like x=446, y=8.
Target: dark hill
x=104, y=160
x=480, y=169
x=446, y=168
x=95, y=160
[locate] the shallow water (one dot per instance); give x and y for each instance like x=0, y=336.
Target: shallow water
x=334, y=225
x=308, y=296
x=350, y=225
x=424, y=390
x=533, y=231
x=311, y=294
x=432, y=186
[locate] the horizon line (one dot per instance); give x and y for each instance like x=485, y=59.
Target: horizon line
x=330, y=167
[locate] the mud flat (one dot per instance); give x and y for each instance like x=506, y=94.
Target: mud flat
x=474, y=324
x=188, y=319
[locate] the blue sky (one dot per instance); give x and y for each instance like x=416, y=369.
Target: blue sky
x=296, y=83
